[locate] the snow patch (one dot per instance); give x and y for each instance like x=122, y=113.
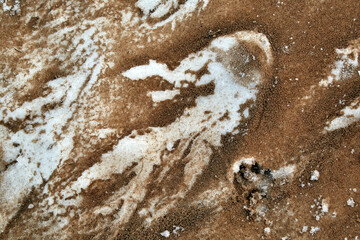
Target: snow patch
x=159, y=96
x=344, y=67
x=324, y=206
x=313, y=230
x=304, y=229
x=350, y=202
x=315, y=175
x=165, y=233
x=350, y=114
x=147, y=5
x=284, y=172
x=237, y=164
x=14, y=9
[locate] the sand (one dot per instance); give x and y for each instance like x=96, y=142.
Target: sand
x=192, y=119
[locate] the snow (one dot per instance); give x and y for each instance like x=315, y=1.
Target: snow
x=164, y=8
x=339, y=71
x=43, y=147
x=165, y=233
x=224, y=43
x=177, y=229
x=147, y=5
x=14, y=9
x=304, y=229
x=315, y=175
x=159, y=96
x=248, y=161
x=170, y=146
x=228, y=96
x=212, y=196
x=350, y=114
x=324, y=206
x=350, y=202
x=313, y=230
x=157, y=9
x=158, y=69
x=284, y=172
x=48, y=151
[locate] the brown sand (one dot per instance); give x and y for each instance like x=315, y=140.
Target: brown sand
x=282, y=129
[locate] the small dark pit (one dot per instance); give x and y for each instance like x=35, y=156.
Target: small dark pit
x=242, y=169
x=255, y=168
x=267, y=172
x=251, y=194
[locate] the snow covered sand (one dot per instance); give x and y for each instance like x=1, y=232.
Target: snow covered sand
x=157, y=119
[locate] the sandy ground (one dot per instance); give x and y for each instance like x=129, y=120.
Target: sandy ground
x=179, y=119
